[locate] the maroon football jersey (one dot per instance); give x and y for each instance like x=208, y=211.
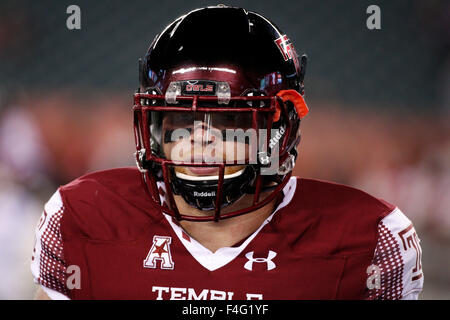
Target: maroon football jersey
x=100, y=237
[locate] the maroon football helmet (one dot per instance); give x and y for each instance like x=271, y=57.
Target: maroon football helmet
x=210, y=71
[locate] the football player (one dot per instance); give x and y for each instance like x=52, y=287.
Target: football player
x=212, y=210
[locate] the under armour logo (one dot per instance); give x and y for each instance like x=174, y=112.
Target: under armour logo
x=270, y=264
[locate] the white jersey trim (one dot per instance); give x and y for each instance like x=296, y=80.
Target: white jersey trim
x=51, y=208
x=47, y=263
x=409, y=242
x=398, y=255
x=215, y=260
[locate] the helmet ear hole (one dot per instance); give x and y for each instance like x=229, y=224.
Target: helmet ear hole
x=254, y=93
x=153, y=91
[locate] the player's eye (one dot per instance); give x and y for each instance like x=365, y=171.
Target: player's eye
x=169, y=135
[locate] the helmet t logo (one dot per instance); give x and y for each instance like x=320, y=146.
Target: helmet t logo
x=287, y=50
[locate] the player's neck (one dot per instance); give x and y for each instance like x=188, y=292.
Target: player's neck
x=226, y=233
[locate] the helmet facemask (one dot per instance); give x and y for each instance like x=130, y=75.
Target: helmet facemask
x=213, y=156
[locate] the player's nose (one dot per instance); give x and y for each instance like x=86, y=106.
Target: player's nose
x=202, y=134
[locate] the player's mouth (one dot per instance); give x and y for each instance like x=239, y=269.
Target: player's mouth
x=208, y=172
x=203, y=171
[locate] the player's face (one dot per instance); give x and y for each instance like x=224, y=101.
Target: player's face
x=212, y=138
x=207, y=138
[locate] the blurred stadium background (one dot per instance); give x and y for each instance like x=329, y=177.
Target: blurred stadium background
x=379, y=100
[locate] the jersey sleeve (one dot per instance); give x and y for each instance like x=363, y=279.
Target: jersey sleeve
x=47, y=263
x=396, y=270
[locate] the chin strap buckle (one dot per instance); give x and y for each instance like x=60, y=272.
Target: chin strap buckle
x=287, y=166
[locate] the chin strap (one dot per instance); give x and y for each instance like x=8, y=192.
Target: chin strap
x=296, y=98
